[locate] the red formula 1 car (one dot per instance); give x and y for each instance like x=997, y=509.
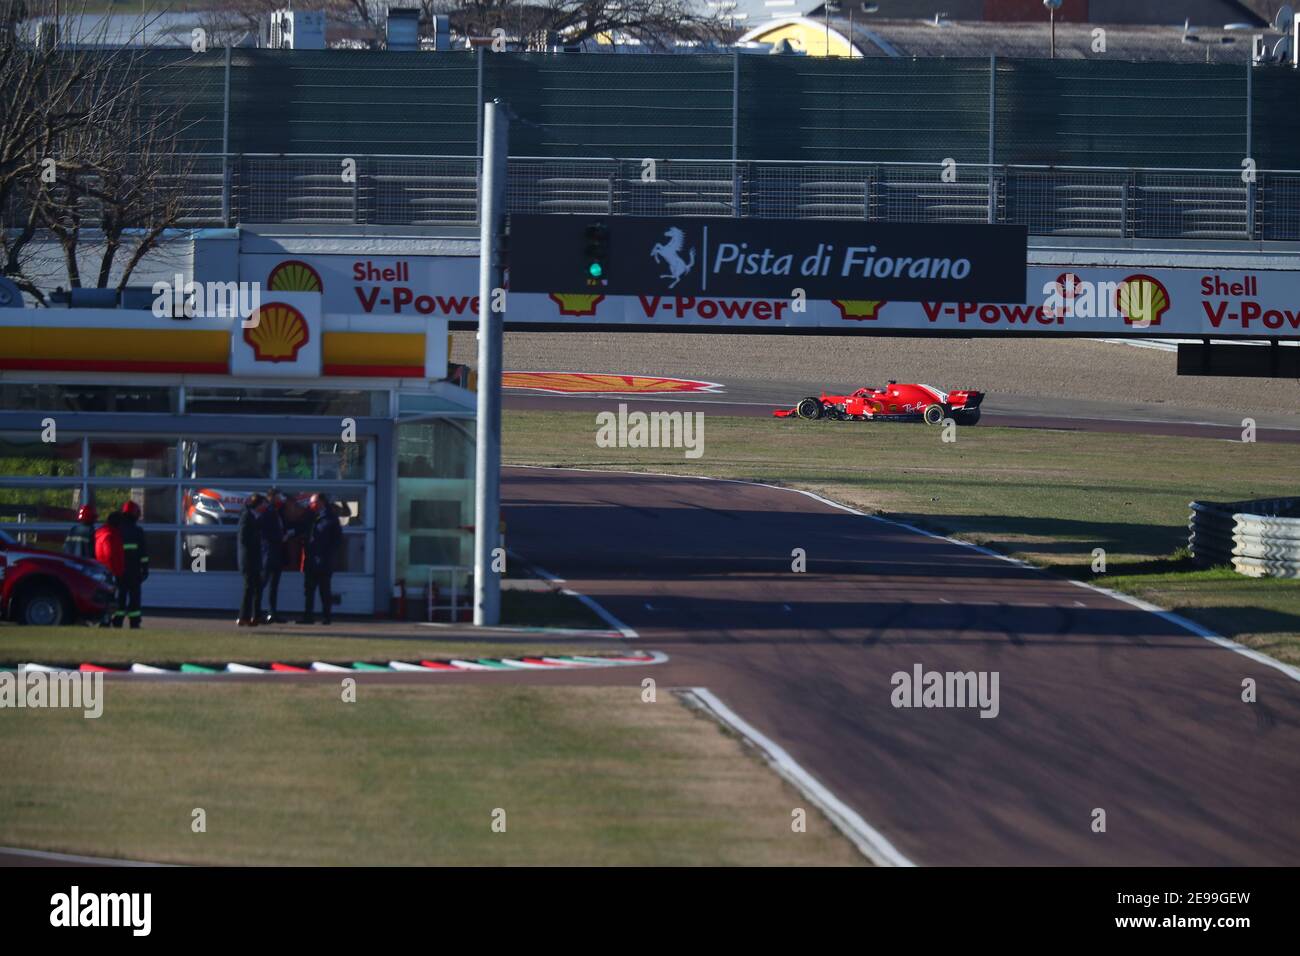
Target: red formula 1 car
x=893, y=403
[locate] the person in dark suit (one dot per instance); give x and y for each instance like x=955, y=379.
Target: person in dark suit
x=249, y=544
x=322, y=538
x=274, y=533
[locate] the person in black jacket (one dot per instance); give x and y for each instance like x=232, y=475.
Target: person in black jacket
x=322, y=540
x=273, y=540
x=249, y=542
x=136, y=567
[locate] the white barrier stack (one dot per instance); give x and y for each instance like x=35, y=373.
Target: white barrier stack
x=1258, y=538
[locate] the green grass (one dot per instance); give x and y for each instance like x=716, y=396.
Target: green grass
x=1051, y=497
x=405, y=775
x=206, y=642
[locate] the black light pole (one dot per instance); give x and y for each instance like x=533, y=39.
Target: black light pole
x=1052, y=7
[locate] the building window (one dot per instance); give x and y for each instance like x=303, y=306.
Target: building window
x=26, y=456
x=227, y=458
x=18, y=396
x=139, y=458
x=157, y=503
x=330, y=460
x=435, y=499
x=35, y=504
x=190, y=491
x=364, y=403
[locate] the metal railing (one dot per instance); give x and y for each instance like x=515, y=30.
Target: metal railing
x=1118, y=203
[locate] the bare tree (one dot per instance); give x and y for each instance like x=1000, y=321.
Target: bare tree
x=656, y=24
x=123, y=177
x=86, y=159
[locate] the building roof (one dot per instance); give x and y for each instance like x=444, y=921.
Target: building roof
x=1151, y=12
x=915, y=38
x=134, y=29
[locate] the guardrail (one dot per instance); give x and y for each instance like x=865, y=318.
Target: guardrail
x=1050, y=201
x=1258, y=538
x=1116, y=203
x=459, y=592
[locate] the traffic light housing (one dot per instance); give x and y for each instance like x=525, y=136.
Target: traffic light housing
x=596, y=250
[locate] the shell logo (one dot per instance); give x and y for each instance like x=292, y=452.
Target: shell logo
x=280, y=333
x=294, y=275
x=859, y=309
x=1142, y=300
x=1069, y=285
x=572, y=304
x=604, y=383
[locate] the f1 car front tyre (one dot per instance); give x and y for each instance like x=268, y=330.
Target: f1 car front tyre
x=809, y=409
x=933, y=414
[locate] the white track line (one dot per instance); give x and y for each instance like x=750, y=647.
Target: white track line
x=869, y=841
x=74, y=859
x=1175, y=619
x=1137, y=421
x=627, y=632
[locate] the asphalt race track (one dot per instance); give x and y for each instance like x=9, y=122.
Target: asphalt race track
x=991, y=415
x=1102, y=705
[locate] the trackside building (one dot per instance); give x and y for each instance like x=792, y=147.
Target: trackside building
x=188, y=416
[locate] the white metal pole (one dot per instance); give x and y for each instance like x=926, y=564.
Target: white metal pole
x=487, y=486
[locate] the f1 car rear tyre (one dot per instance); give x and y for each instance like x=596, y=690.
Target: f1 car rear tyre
x=933, y=414
x=44, y=607
x=809, y=409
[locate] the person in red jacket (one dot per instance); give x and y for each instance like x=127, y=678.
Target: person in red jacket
x=109, y=553
x=108, y=545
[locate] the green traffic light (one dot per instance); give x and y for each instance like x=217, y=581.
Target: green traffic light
x=596, y=270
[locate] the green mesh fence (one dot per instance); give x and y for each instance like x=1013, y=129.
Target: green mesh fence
x=1064, y=112
x=352, y=101
x=603, y=106
x=871, y=110
x=1102, y=113
x=191, y=84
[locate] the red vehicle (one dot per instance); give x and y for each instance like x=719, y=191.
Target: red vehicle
x=893, y=403
x=45, y=587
